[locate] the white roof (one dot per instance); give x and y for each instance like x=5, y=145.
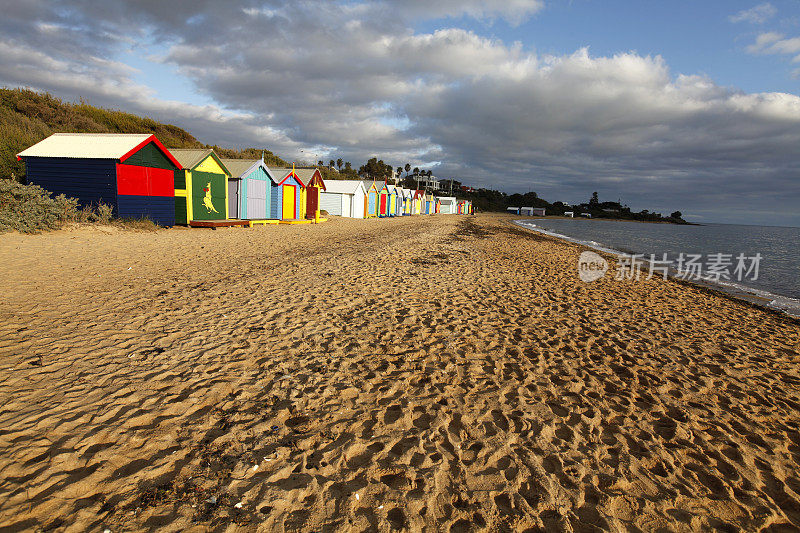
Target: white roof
x=343, y=186
x=86, y=145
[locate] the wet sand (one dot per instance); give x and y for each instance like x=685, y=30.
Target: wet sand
x=439, y=373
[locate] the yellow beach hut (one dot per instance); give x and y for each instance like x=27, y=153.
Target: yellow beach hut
x=201, y=187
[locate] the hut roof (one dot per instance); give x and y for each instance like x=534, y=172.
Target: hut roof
x=189, y=158
x=306, y=175
x=343, y=186
x=94, y=146
x=242, y=167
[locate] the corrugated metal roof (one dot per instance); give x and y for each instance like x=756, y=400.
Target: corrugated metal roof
x=280, y=173
x=343, y=186
x=240, y=167
x=190, y=157
x=86, y=145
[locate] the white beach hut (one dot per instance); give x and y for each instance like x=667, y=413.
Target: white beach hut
x=449, y=205
x=344, y=198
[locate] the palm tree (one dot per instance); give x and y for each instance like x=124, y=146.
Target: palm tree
x=399, y=171
x=320, y=163
x=408, y=168
x=339, y=163
x=331, y=163
x=430, y=173
x=416, y=171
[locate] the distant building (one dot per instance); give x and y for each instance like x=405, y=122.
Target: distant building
x=514, y=210
x=538, y=211
x=527, y=211
x=587, y=215
x=569, y=214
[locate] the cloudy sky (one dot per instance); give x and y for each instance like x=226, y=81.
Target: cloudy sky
x=664, y=105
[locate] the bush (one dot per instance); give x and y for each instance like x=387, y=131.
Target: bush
x=30, y=209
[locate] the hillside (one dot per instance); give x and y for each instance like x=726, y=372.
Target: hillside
x=27, y=117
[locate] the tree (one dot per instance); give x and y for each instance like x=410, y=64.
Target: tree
x=339, y=163
x=430, y=173
x=676, y=214
x=594, y=201
x=320, y=163
x=416, y=171
x=408, y=168
x=399, y=171
x=331, y=163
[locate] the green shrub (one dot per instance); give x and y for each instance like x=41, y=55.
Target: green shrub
x=30, y=209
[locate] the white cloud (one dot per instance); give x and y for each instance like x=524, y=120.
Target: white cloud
x=756, y=15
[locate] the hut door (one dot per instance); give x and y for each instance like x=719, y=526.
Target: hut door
x=233, y=198
x=383, y=204
x=288, y=202
x=312, y=203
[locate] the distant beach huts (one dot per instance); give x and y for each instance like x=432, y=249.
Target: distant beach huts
x=134, y=174
x=344, y=198
x=138, y=177
x=201, y=186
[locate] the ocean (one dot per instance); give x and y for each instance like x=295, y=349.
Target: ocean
x=776, y=285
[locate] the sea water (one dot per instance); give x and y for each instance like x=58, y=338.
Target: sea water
x=778, y=281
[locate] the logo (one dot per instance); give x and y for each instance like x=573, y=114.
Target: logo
x=591, y=266
x=207, y=203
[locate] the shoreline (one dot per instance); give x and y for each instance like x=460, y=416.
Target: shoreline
x=442, y=373
x=749, y=295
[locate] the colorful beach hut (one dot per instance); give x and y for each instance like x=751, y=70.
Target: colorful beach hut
x=430, y=204
x=249, y=189
x=383, y=198
x=408, y=199
x=448, y=205
x=371, y=199
x=287, y=195
x=398, y=201
x=313, y=185
x=201, y=186
x=419, y=198
x=343, y=198
x=133, y=173
x=393, y=200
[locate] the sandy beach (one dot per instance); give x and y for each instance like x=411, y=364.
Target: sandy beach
x=443, y=373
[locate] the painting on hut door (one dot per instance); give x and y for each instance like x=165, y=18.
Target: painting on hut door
x=313, y=201
x=288, y=202
x=208, y=196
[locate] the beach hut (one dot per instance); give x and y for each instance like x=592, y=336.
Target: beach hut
x=371, y=199
x=448, y=205
x=201, y=186
x=249, y=189
x=343, y=198
x=418, y=202
x=407, y=196
x=395, y=202
x=287, y=195
x=398, y=208
x=313, y=184
x=383, y=198
x=438, y=205
x=133, y=173
x=430, y=204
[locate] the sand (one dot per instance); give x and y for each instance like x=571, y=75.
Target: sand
x=425, y=373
